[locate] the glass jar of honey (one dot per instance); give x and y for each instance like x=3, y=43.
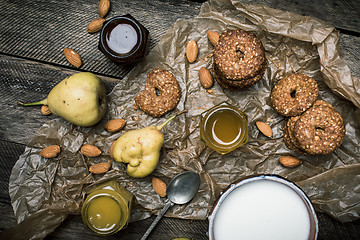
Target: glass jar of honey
x=124, y=40
x=107, y=207
x=224, y=128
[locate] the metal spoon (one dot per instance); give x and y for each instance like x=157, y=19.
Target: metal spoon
x=181, y=189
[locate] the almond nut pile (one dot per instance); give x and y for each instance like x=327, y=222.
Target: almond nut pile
x=88, y=150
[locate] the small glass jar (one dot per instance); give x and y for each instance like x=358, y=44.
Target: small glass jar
x=124, y=40
x=224, y=128
x=107, y=207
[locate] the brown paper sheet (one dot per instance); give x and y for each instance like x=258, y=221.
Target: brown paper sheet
x=293, y=43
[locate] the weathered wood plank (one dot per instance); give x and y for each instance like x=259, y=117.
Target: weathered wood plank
x=349, y=51
x=342, y=14
x=37, y=30
x=64, y=24
x=33, y=61
x=167, y=228
x=9, y=153
x=28, y=81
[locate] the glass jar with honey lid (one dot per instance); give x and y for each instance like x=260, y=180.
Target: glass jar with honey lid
x=107, y=207
x=124, y=40
x=224, y=128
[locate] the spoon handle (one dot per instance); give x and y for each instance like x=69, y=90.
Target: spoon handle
x=157, y=219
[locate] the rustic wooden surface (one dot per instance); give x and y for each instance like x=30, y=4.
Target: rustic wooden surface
x=32, y=37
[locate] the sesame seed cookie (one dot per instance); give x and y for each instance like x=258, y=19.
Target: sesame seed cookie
x=239, y=59
x=320, y=130
x=293, y=94
x=289, y=137
x=161, y=94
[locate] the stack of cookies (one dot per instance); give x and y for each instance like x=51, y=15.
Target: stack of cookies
x=312, y=126
x=239, y=59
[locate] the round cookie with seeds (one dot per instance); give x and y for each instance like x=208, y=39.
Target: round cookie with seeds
x=161, y=94
x=293, y=94
x=320, y=130
x=290, y=126
x=239, y=59
x=288, y=135
x=237, y=85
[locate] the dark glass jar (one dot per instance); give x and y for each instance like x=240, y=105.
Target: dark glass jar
x=124, y=40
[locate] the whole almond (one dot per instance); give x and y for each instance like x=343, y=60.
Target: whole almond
x=159, y=186
x=192, y=51
x=45, y=110
x=290, y=161
x=73, y=57
x=112, y=149
x=264, y=128
x=50, y=151
x=95, y=25
x=206, y=78
x=104, y=6
x=213, y=37
x=100, y=168
x=90, y=150
x=115, y=125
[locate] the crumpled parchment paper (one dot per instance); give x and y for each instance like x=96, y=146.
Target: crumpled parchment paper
x=44, y=191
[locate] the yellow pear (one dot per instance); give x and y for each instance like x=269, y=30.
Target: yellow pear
x=79, y=99
x=140, y=149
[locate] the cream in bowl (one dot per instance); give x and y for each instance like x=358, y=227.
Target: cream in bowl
x=263, y=207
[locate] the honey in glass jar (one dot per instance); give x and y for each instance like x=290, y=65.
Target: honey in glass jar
x=224, y=128
x=107, y=207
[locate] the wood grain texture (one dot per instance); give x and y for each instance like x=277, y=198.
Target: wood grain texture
x=28, y=81
x=342, y=14
x=32, y=38
x=349, y=51
x=63, y=24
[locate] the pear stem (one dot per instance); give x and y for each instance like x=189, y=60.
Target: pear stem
x=42, y=102
x=159, y=127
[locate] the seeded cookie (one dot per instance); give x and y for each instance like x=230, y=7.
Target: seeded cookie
x=320, y=130
x=290, y=126
x=288, y=135
x=236, y=85
x=239, y=59
x=161, y=93
x=293, y=94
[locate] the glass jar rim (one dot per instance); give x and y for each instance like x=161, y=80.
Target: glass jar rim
x=131, y=22
x=114, y=196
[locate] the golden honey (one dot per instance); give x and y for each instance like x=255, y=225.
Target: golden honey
x=104, y=213
x=223, y=128
x=107, y=207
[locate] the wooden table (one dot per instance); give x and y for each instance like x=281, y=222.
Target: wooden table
x=33, y=35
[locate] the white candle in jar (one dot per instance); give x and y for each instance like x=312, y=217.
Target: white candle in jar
x=261, y=210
